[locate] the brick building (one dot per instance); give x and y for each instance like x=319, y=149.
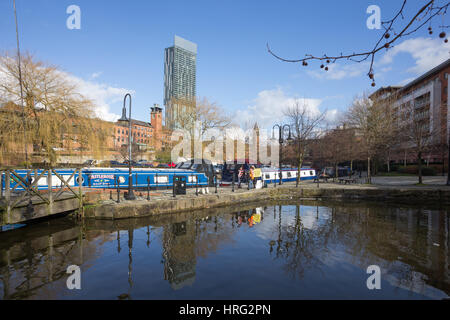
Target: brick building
x=149, y=136
x=427, y=95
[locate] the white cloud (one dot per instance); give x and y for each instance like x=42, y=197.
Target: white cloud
x=338, y=71
x=95, y=75
x=427, y=53
x=331, y=116
x=268, y=108
x=102, y=95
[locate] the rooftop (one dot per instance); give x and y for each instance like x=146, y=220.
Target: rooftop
x=137, y=122
x=433, y=71
x=185, y=44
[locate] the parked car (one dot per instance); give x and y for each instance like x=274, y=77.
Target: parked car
x=163, y=166
x=144, y=163
x=90, y=163
x=114, y=163
x=331, y=172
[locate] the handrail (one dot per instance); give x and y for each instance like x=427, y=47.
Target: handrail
x=13, y=197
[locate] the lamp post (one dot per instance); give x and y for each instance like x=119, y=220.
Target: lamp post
x=281, y=129
x=130, y=195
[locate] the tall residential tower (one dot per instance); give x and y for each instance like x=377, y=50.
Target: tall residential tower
x=179, y=79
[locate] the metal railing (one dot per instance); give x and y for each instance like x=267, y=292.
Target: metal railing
x=24, y=189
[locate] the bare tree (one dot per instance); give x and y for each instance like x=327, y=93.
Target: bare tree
x=391, y=137
x=394, y=29
x=415, y=131
x=207, y=115
x=305, y=124
x=56, y=115
x=339, y=145
x=199, y=118
x=370, y=120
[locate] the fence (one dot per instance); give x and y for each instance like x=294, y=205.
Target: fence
x=19, y=191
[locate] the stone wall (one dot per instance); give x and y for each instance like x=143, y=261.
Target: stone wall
x=112, y=210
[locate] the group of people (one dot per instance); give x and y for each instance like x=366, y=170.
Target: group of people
x=252, y=176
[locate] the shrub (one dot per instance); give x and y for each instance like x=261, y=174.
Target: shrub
x=428, y=171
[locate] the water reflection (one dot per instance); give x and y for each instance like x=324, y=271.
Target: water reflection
x=286, y=249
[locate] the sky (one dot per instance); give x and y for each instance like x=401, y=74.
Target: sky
x=120, y=49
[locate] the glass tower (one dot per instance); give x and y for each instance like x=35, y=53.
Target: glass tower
x=179, y=78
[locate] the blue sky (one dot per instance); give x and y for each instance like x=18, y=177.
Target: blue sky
x=120, y=48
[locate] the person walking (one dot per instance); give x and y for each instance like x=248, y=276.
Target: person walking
x=251, y=177
x=240, y=176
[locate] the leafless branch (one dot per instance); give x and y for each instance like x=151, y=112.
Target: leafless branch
x=426, y=14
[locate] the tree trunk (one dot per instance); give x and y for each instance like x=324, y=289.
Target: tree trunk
x=299, y=170
x=443, y=163
x=420, y=167
x=351, y=167
x=336, y=175
x=369, y=180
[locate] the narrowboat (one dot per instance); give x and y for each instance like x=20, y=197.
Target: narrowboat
x=269, y=174
x=108, y=178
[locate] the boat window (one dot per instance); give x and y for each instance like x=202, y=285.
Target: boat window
x=163, y=179
x=267, y=176
x=311, y=173
x=195, y=166
x=192, y=179
x=289, y=174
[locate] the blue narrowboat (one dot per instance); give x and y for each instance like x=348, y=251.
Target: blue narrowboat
x=108, y=178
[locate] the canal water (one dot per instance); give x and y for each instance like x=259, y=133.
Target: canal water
x=306, y=250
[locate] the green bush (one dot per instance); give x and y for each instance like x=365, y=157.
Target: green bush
x=428, y=171
x=25, y=164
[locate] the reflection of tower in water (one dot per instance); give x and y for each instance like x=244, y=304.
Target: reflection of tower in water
x=179, y=254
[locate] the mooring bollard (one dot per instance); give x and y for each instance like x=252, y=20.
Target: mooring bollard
x=196, y=186
x=232, y=184
x=136, y=184
x=118, y=190
x=148, y=188
x=173, y=187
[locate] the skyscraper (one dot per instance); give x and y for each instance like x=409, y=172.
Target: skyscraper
x=179, y=78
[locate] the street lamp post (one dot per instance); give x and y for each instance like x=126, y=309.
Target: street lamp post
x=281, y=129
x=130, y=195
